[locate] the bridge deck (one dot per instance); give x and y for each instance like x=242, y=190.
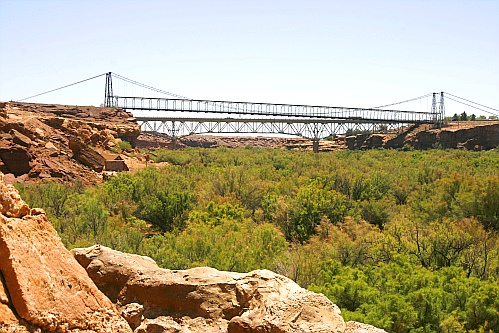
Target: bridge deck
x=306, y=113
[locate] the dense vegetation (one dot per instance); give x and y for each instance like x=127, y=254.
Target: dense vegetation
x=404, y=240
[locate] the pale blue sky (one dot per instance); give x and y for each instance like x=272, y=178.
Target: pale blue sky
x=337, y=53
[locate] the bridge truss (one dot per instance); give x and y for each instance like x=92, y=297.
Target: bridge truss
x=308, y=128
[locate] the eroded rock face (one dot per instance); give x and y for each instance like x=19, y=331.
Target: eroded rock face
x=182, y=325
x=16, y=159
x=11, y=204
x=32, y=134
x=44, y=285
x=86, y=155
x=133, y=314
x=355, y=327
x=7, y=316
x=470, y=135
x=259, y=301
x=20, y=138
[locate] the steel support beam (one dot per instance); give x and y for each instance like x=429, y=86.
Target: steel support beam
x=309, y=128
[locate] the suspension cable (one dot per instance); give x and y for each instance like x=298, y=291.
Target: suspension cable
x=156, y=89
x=148, y=87
x=409, y=100
x=472, y=106
x=464, y=99
x=68, y=85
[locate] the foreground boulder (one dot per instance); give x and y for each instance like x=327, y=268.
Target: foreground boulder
x=259, y=301
x=7, y=316
x=43, y=287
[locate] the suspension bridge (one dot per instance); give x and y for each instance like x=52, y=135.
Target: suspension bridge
x=177, y=116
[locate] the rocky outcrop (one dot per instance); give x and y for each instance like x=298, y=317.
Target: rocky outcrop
x=355, y=327
x=11, y=204
x=20, y=139
x=35, y=138
x=86, y=155
x=475, y=138
x=164, y=324
x=45, y=287
x=470, y=135
x=356, y=141
x=423, y=140
x=259, y=301
x=6, y=313
x=473, y=135
x=373, y=141
x=95, y=133
x=16, y=159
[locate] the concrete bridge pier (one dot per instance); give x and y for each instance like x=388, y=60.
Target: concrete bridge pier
x=315, y=140
x=316, y=145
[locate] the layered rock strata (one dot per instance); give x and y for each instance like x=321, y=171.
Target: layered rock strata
x=469, y=135
x=43, y=141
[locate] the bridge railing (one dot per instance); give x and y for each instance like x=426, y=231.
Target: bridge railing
x=271, y=110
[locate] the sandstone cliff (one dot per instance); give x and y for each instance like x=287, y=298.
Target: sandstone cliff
x=472, y=135
x=40, y=141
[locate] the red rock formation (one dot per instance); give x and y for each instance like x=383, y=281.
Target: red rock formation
x=44, y=285
x=86, y=155
x=7, y=316
x=16, y=159
x=183, y=325
x=472, y=135
x=259, y=301
x=355, y=327
x=32, y=134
